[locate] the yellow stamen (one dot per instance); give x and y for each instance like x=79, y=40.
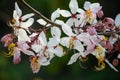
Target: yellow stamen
x=10, y=49
x=35, y=65
x=88, y=13
x=13, y=21
x=101, y=66
x=104, y=38
x=71, y=42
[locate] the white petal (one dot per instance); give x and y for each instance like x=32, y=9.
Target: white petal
x=55, y=14
x=81, y=11
x=58, y=51
x=117, y=20
x=15, y=15
x=67, y=30
x=59, y=22
x=65, y=13
x=87, y=5
x=22, y=35
x=56, y=32
x=70, y=22
x=78, y=46
x=73, y=58
x=118, y=56
x=29, y=53
x=36, y=48
x=44, y=61
x=42, y=22
x=95, y=7
x=65, y=41
x=27, y=24
x=73, y=5
x=42, y=38
x=18, y=10
x=76, y=22
x=27, y=16
x=52, y=42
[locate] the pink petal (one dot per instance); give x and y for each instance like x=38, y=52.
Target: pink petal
x=7, y=39
x=16, y=58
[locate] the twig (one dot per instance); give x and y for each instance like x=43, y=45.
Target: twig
x=39, y=14
x=55, y=24
x=109, y=33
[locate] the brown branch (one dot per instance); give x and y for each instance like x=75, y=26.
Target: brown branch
x=109, y=33
x=55, y=24
x=39, y=14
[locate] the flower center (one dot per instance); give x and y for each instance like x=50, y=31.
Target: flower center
x=73, y=16
x=88, y=13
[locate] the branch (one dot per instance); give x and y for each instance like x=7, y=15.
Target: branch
x=109, y=33
x=55, y=24
x=39, y=14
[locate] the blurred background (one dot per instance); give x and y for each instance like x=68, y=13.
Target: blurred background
x=57, y=70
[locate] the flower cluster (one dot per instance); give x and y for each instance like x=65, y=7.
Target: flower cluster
x=85, y=33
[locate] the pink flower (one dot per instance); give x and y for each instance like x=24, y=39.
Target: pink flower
x=92, y=31
x=7, y=39
x=17, y=49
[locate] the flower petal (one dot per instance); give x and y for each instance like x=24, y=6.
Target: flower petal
x=87, y=5
x=42, y=38
x=55, y=14
x=118, y=56
x=18, y=10
x=15, y=15
x=27, y=16
x=22, y=35
x=42, y=22
x=27, y=24
x=73, y=58
x=16, y=58
x=117, y=20
x=73, y=5
x=52, y=42
x=56, y=32
x=65, y=13
x=58, y=51
x=67, y=30
x=95, y=7
x=36, y=48
x=78, y=45
x=70, y=22
x=65, y=41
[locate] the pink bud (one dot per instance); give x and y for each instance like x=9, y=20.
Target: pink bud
x=100, y=14
x=109, y=21
x=7, y=39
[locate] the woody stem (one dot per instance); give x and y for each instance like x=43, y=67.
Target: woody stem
x=39, y=14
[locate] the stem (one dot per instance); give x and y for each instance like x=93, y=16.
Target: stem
x=109, y=33
x=39, y=14
x=55, y=24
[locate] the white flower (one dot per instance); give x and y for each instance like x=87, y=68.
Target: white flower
x=19, y=20
x=89, y=15
x=72, y=40
x=117, y=20
x=52, y=46
x=73, y=20
x=80, y=48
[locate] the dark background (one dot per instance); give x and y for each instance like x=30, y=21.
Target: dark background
x=58, y=70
